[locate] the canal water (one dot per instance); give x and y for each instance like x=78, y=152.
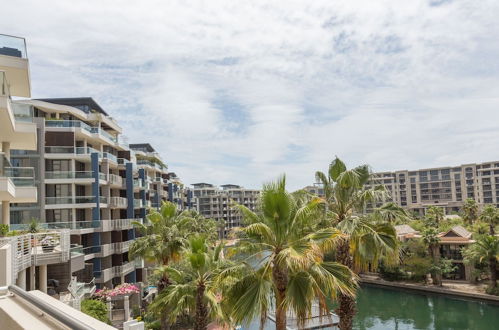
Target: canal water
x=393, y=309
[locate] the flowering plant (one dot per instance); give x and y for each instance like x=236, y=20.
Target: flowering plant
x=119, y=290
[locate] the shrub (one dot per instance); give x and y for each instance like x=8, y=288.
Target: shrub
x=492, y=291
x=391, y=273
x=4, y=229
x=418, y=267
x=96, y=309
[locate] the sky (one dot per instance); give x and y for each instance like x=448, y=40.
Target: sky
x=244, y=91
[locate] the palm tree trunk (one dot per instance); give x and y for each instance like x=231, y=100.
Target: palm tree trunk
x=435, y=278
x=201, y=309
x=493, y=272
x=280, y=278
x=163, y=283
x=347, y=307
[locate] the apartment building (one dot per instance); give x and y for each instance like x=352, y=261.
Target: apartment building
x=316, y=189
x=446, y=187
x=215, y=203
x=23, y=258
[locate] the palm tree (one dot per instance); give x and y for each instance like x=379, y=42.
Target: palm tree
x=486, y=248
x=490, y=215
x=282, y=261
x=431, y=240
x=369, y=238
x=196, y=223
x=470, y=210
x=162, y=243
x=435, y=215
x=194, y=289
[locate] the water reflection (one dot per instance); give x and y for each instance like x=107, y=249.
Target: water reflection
x=381, y=308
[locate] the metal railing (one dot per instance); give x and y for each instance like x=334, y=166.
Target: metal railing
x=37, y=249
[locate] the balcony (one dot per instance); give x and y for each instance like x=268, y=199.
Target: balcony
x=37, y=249
x=121, y=247
x=14, y=61
x=124, y=269
x=80, y=177
x=118, y=202
x=118, y=224
x=137, y=203
x=68, y=124
x=17, y=184
x=77, y=201
x=115, y=180
x=65, y=151
x=110, y=157
x=103, y=133
x=20, y=134
x=139, y=183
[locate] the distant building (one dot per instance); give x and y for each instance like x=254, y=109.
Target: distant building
x=215, y=203
x=446, y=187
x=316, y=189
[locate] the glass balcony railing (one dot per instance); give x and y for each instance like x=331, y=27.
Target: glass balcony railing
x=76, y=250
x=22, y=112
x=98, y=130
x=87, y=151
x=68, y=123
x=102, y=176
x=139, y=183
x=84, y=199
x=91, y=249
x=20, y=176
x=69, y=175
x=13, y=46
x=110, y=156
x=103, y=200
x=58, y=200
x=60, y=150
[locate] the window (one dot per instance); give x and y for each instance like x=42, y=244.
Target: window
x=457, y=176
x=413, y=180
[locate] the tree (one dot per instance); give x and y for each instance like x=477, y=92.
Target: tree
x=367, y=238
x=431, y=239
x=486, y=248
x=435, y=215
x=163, y=242
x=96, y=309
x=281, y=254
x=195, y=223
x=194, y=289
x=470, y=210
x=490, y=216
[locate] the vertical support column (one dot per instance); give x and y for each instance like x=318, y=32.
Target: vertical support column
x=142, y=175
x=32, y=278
x=129, y=191
x=109, y=309
x=170, y=192
x=42, y=278
x=6, y=149
x=6, y=212
x=126, y=305
x=157, y=198
x=21, y=279
x=95, y=186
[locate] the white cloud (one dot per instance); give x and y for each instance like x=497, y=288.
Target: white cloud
x=243, y=91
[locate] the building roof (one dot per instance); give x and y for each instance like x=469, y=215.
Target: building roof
x=460, y=231
x=201, y=185
x=404, y=230
x=76, y=102
x=145, y=146
x=228, y=186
